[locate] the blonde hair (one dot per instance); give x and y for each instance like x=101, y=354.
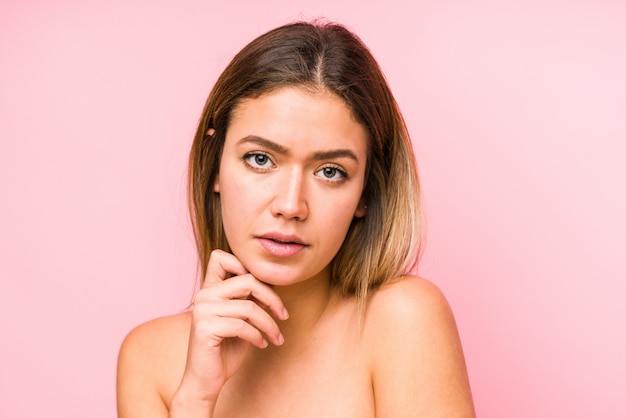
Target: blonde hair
x=321, y=56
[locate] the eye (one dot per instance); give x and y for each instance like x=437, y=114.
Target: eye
x=332, y=173
x=258, y=160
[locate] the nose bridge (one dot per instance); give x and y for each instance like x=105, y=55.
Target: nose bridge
x=290, y=198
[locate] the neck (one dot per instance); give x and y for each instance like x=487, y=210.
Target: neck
x=306, y=303
x=314, y=309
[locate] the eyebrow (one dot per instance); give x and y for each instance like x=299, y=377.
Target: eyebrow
x=318, y=155
x=264, y=143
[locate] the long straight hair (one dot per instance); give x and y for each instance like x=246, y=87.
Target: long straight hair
x=385, y=243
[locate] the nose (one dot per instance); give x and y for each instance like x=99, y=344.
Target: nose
x=289, y=199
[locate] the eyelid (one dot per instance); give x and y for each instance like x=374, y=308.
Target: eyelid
x=251, y=154
x=343, y=173
x=340, y=170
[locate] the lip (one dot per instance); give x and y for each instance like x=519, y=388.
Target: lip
x=281, y=245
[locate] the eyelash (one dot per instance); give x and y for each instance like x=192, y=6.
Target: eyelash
x=250, y=160
x=337, y=169
x=253, y=155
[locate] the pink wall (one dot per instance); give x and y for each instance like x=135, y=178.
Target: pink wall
x=518, y=117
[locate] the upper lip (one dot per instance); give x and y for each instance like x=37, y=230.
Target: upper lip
x=285, y=238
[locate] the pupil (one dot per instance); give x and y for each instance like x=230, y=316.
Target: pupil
x=328, y=171
x=261, y=159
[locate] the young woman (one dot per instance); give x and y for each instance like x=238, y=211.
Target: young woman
x=304, y=198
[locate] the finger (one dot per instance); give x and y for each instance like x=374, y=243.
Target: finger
x=245, y=287
x=222, y=328
x=220, y=264
x=252, y=313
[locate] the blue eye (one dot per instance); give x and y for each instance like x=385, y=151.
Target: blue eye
x=261, y=159
x=331, y=173
x=258, y=160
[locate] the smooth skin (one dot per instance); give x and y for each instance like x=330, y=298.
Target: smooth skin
x=267, y=335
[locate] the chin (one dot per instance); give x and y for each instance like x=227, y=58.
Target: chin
x=278, y=275
x=275, y=277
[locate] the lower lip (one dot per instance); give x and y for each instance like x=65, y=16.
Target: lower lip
x=281, y=249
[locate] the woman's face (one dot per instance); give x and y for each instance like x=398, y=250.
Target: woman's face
x=290, y=180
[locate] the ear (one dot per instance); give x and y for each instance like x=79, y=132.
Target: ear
x=216, y=184
x=361, y=209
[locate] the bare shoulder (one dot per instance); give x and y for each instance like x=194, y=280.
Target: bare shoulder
x=150, y=363
x=412, y=293
x=417, y=362
x=406, y=311
x=162, y=330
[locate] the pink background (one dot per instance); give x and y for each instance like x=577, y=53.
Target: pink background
x=518, y=114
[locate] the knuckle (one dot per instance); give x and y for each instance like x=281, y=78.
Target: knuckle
x=250, y=281
x=205, y=328
x=217, y=255
x=249, y=307
x=214, y=261
x=202, y=296
x=240, y=326
x=199, y=311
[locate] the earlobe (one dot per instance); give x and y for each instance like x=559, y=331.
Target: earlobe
x=216, y=184
x=361, y=209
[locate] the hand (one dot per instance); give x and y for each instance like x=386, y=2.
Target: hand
x=228, y=315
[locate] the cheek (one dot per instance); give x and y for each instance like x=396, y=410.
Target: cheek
x=337, y=218
x=233, y=212
x=235, y=196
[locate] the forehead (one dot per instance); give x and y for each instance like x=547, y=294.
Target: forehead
x=298, y=116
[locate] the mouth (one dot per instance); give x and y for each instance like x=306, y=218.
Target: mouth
x=281, y=245
x=278, y=241
x=283, y=238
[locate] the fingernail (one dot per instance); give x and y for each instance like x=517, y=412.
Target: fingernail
x=285, y=314
x=264, y=344
x=280, y=339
